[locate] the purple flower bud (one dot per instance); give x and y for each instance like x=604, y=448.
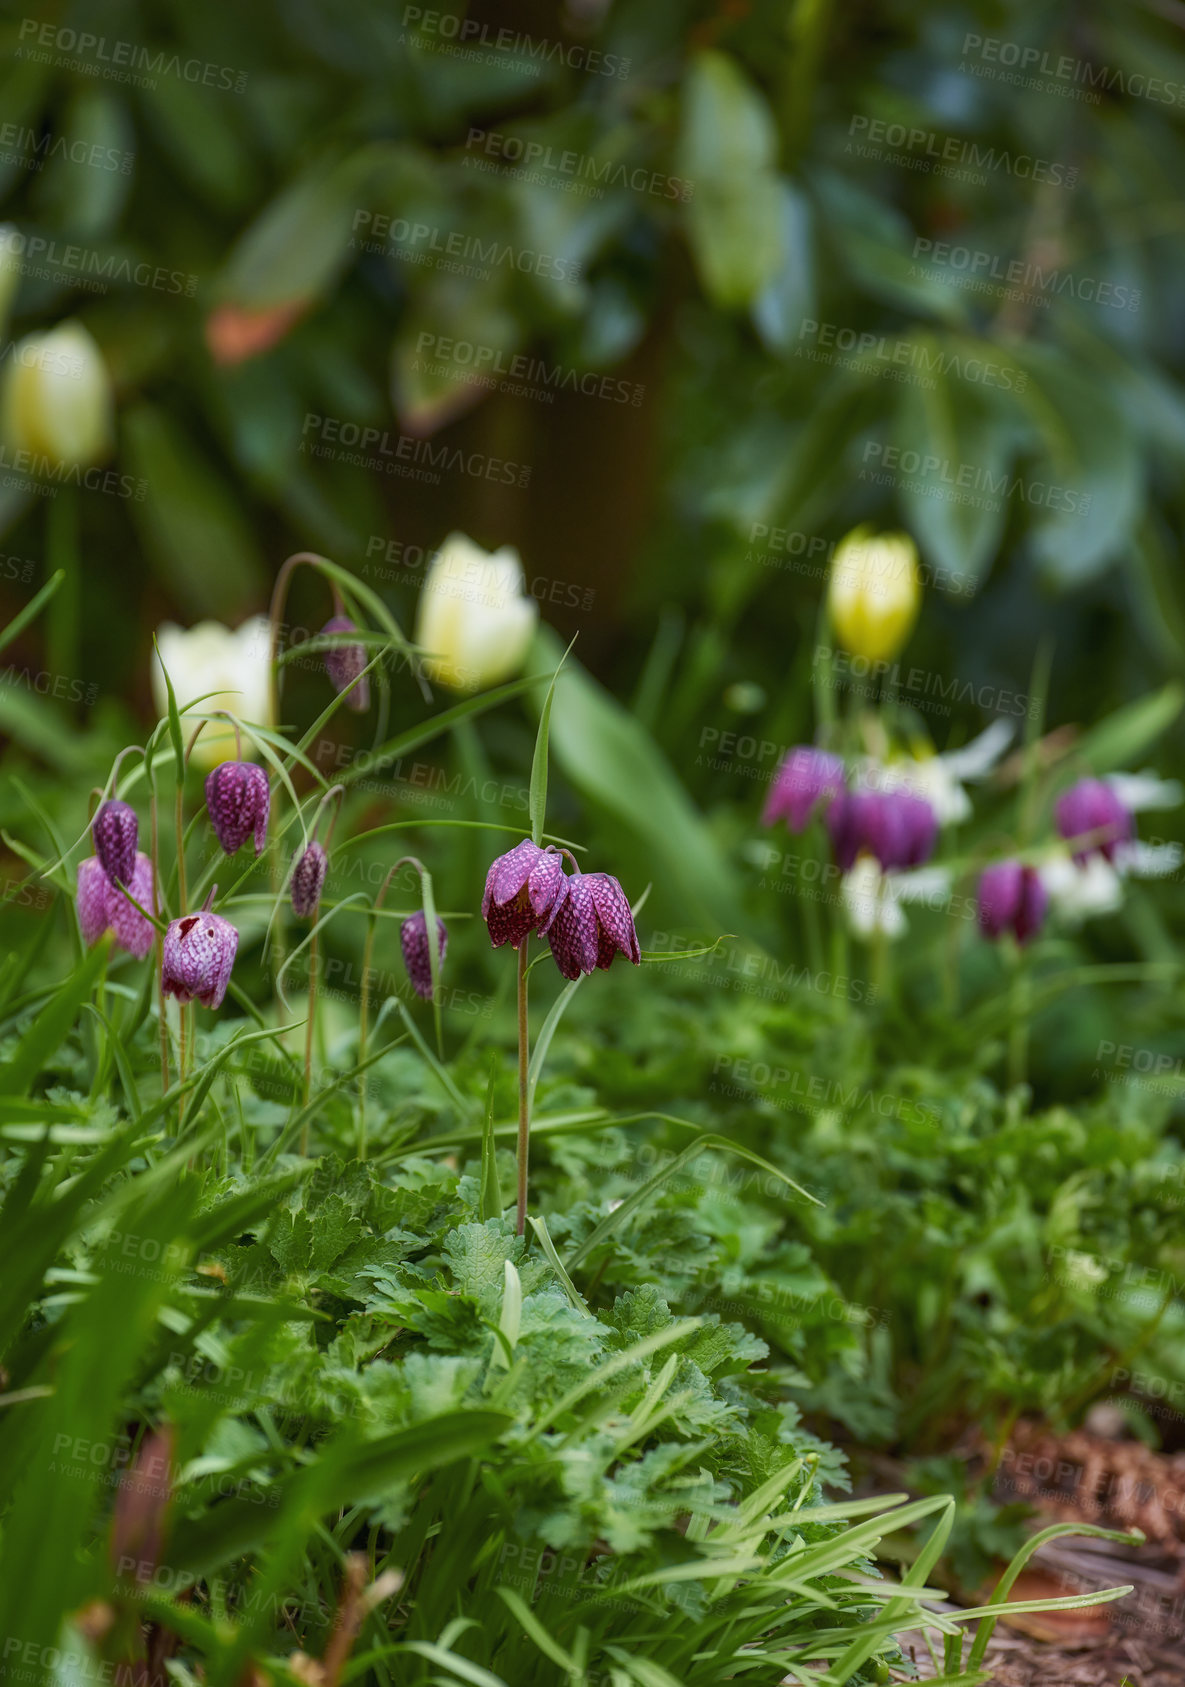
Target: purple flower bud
x=413, y=940
x=199, y=951
x=238, y=799
x=345, y=662
x=523, y=888
x=102, y=906
x=591, y=925
x=1011, y=898
x=115, y=831
x=898, y=828
x=308, y=876
x=805, y=778
x=1093, y=806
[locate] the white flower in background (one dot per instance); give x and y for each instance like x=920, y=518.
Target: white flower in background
x=873, y=900
x=474, y=622
x=940, y=779
x=56, y=400
x=231, y=663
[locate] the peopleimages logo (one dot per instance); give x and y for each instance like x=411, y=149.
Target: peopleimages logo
x=1017, y=272
x=944, y=472
x=1030, y=65
x=599, y=173
x=448, y=248
x=469, y=34
x=926, y=149
x=79, y=47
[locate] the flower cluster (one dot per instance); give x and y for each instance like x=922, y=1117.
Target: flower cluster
x=585, y=917
x=113, y=880
x=883, y=824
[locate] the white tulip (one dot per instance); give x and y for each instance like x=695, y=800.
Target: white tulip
x=56, y=399
x=474, y=623
x=230, y=663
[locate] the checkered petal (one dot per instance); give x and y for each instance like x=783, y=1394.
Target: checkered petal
x=94, y=888
x=308, y=877
x=345, y=662
x=238, y=800
x=115, y=830
x=522, y=892
x=413, y=940
x=508, y=874
x=132, y=931
x=199, y=952
x=615, y=921
x=572, y=929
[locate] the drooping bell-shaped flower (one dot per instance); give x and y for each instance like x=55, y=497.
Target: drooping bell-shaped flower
x=806, y=777
x=1011, y=898
x=1093, y=806
x=898, y=828
x=199, y=952
x=116, y=830
x=237, y=800
x=523, y=888
x=345, y=662
x=591, y=925
x=413, y=940
x=102, y=906
x=308, y=877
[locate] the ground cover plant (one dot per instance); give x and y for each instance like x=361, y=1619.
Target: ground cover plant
x=591, y=1066
x=312, y=1371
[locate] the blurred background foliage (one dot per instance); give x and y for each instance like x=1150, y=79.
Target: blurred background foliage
x=753, y=271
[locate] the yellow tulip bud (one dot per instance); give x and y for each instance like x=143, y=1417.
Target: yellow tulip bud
x=56, y=399
x=874, y=593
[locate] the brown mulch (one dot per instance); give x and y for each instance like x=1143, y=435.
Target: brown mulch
x=1094, y=1475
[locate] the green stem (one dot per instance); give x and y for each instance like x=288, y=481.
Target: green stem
x=308, y=1039
x=1018, y=1030
x=160, y=951
x=524, y=1107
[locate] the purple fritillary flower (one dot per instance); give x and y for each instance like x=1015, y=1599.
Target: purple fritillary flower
x=591, y=925
x=102, y=906
x=919, y=828
x=898, y=828
x=523, y=890
x=132, y=931
x=413, y=940
x=237, y=800
x=94, y=915
x=345, y=662
x=199, y=951
x=805, y=778
x=1011, y=898
x=1093, y=806
x=848, y=822
x=308, y=877
x=115, y=831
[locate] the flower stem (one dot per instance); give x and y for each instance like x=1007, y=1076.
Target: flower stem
x=524, y=1109
x=308, y=1038
x=364, y=994
x=160, y=950
x=179, y=813
x=183, y=1061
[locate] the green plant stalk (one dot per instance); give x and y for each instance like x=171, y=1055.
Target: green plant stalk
x=524, y=1106
x=308, y=1039
x=1018, y=1030
x=160, y=950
